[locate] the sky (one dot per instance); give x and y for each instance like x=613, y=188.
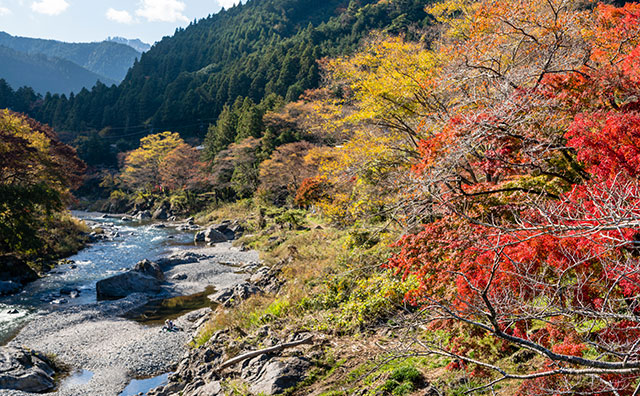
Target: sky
x=95, y=20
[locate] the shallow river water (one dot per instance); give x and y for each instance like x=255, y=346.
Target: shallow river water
x=135, y=241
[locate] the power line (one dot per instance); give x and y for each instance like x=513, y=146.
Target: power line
x=149, y=129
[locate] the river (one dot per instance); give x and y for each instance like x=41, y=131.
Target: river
x=135, y=241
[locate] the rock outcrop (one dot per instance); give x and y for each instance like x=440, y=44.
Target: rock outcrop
x=212, y=235
x=199, y=374
x=149, y=268
x=160, y=214
x=25, y=370
x=271, y=376
x=142, y=215
x=145, y=277
x=234, y=295
x=270, y=371
x=226, y=231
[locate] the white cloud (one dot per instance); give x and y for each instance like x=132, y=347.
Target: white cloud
x=120, y=16
x=50, y=7
x=227, y=3
x=162, y=10
x=4, y=11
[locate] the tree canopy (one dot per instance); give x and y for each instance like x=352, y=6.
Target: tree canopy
x=36, y=173
x=507, y=151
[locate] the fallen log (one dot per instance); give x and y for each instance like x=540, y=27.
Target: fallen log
x=273, y=349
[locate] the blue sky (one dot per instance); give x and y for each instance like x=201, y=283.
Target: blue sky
x=94, y=20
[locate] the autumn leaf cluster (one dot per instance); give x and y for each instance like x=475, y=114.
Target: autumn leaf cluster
x=512, y=142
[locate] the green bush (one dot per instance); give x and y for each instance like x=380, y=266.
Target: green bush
x=407, y=374
x=372, y=299
x=403, y=389
x=402, y=381
x=294, y=218
x=389, y=386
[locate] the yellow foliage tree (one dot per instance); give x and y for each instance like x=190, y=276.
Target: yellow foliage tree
x=143, y=167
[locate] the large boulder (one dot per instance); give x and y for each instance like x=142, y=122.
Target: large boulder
x=160, y=214
x=272, y=376
x=25, y=370
x=199, y=237
x=149, y=268
x=231, y=230
x=14, y=269
x=237, y=229
x=145, y=277
x=214, y=236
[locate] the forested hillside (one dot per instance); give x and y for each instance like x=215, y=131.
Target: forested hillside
x=110, y=60
x=45, y=74
x=252, y=50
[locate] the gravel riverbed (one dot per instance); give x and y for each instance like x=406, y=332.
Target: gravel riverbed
x=95, y=337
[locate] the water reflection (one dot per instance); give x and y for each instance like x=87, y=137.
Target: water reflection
x=77, y=378
x=157, y=311
x=144, y=385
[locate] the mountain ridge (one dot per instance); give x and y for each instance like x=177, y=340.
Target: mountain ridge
x=109, y=59
x=45, y=74
x=136, y=44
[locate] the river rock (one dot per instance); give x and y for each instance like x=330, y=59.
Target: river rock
x=160, y=214
x=9, y=287
x=142, y=215
x=25, y=370
x=274, y=376
x=233, y=296
x=182, y=257
x=179, y=277
x=68, y=290
x=261, y=275
x=149, y=268
x=214, y=236
x=146, y=277
x=228, y=228
x=199, y=237
x=211, y=389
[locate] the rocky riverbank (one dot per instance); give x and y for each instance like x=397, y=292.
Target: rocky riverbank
x=264, y=362
x=97, y=338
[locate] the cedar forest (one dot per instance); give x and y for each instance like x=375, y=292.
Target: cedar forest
x=481, y=156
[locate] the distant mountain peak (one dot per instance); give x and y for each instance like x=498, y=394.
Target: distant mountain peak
x=59, y=67
x=136, y=44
